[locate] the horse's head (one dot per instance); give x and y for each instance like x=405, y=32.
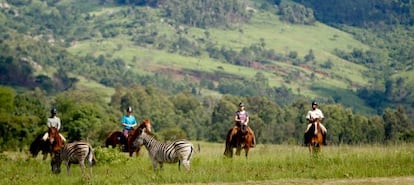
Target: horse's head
x=56, y=162
x=53, y=134
x=55, y=139
x=146, y=124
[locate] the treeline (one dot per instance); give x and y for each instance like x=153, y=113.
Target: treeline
x=85, y=115
x=362, y=13
x=198, y=13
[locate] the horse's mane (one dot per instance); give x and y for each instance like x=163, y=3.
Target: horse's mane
x=57, y=140
x=145, y=126
x=150, y=133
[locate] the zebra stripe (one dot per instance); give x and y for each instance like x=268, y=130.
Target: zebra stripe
x=159, y=152
x=73, y=153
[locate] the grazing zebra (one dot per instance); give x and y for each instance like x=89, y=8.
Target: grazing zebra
x=159, y=152
x=73, y=153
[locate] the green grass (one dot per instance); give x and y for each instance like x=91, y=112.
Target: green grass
x=99, y=89
x=265, y=163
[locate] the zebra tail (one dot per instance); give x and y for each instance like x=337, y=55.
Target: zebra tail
x=91, y=157
x=191, y=153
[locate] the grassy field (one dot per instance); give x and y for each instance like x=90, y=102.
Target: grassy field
x=267, y=164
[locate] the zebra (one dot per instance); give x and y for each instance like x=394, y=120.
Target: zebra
x=73, y=153
x=160, y=152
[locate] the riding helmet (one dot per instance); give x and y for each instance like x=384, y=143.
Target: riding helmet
x=129, y=109
x=53, y=111
x=314, y=103
x=241, y=104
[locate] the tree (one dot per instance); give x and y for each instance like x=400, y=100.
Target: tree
x=310, y=56
x=7, y=95
x=222, y=118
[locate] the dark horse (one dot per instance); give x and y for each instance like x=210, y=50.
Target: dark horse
x=240, y=140
x=52, y=144
x=314, y=137
x=40, y=145
x=118, y=138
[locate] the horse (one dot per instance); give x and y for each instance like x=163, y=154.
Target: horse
x=314, y=137
x=118, y=138
x=146, y=124
x=240, y=140
x=55, y=140
x=40, y=145
x=115, y=138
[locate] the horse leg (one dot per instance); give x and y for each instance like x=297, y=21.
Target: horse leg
x=227, y=152
x=238, y=149
x=247, y=150
x=310, y=148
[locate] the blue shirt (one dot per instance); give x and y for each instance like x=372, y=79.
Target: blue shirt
x=129, y=120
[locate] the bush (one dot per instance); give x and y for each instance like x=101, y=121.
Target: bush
x=109, y=156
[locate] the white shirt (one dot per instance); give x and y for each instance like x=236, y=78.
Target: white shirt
x=53, y=122
x=317, y=113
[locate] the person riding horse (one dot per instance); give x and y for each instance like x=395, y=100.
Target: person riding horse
x=241, y=119
x=312, y=116
x=128, y=121
x=53, y=121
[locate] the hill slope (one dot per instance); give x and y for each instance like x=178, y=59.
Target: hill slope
x=134, y=41
x=308, y=79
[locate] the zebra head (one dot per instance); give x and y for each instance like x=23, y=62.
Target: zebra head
x=139, y=141
x=56, y=162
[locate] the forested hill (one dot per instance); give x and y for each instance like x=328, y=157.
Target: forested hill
x=363, y=13
x=273, y=53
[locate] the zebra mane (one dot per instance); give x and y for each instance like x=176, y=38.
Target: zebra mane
x=149, y=133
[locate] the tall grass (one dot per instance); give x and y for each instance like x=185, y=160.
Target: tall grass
x=265, y=163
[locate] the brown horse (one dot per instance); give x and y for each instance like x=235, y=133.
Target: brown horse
x=314, y=137
x=240, y=140
x=115, y=138
x=118, y=138
x=55, y=140
x=146, y=124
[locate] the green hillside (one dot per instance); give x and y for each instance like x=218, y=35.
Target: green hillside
x=279, y=36
x=103, y=43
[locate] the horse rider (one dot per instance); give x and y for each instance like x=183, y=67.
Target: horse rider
x=53, y=121
x=311, y=116
x=128, y=121
x=241, y=119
